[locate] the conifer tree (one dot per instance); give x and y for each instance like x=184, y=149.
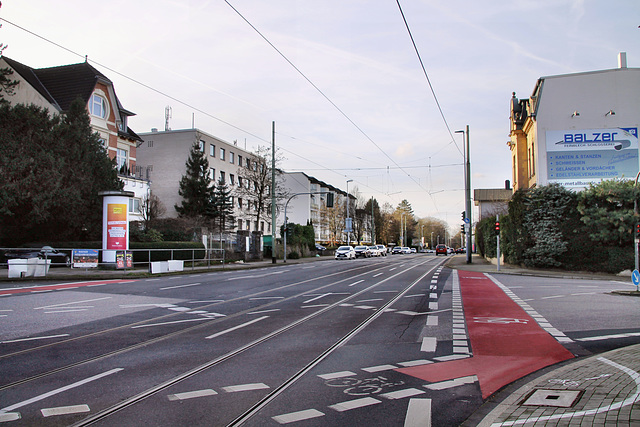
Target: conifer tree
x=195, y=187
x=222, y=208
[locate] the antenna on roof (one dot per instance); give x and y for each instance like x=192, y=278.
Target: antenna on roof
x=86, y=59
x=167, y=116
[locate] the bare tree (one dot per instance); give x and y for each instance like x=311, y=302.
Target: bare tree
x=256, y=184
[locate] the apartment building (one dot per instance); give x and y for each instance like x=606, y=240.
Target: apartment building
x=162, y=158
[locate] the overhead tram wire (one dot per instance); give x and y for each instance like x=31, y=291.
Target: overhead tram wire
x=424, y=70
x=137, y=82
x=327, y=98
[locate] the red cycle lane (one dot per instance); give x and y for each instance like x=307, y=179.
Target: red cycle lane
x=506, y=342
x=59, y=287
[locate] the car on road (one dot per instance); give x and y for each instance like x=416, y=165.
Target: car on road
x=406, y=250
x=373, y=249
x=46, y=252
x=345, y=252
x=441, y=249
x=396, y=250
x=382, y=249
x=413, y=250
x=362, y=251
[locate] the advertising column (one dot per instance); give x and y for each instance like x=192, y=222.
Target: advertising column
x=115, y=223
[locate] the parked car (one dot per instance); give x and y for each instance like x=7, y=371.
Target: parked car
x=413, y=250
x=362, y=251
x=374, y=251
x=383, y=250
x=47, y=252
x=396, y=250
x=441, y=249
x=345, y=252
x=406, y=250
x=320, y=248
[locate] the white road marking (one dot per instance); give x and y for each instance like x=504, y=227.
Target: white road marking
x=298, y=416
x=34, y=338
x=179, y=286
x=413, y=296
x=200, y=302
x=443, y=385
x=354, y=404
x=64, y=410
x=237, y=327
x=364, y=307
x=355, y=283
x=340, y=374
x=418, y=413
x=429, y=344
x=70, y=303
x=369, y=300
x=192, y=394
x=264, y=311
x=379, y=368
x=415, y=363
x=167, y=323
x=433, y=295
x=401, y=394
x=65, y=311
x=432, y=320
x=261, y=298
x=609, y=337
x=59, y=390
x=433, y=305
x=245, y=387
x=317, y=298
x=9, y=416
x=378, y=274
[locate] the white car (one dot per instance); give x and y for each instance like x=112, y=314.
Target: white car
x=345, y=252
x=382, y=249
x=406, y=250
x=374, y=251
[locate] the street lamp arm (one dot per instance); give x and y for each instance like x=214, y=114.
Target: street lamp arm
x=286, y=220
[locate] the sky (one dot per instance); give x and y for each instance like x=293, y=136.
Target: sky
x=340, y=79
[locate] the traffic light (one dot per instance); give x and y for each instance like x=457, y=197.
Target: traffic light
x=497, y=228
x=463, y=215
x=638, y=229
x=462, y=229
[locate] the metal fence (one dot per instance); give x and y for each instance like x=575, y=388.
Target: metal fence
x=27, y=262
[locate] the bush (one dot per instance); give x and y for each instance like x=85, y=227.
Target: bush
x=293, y=255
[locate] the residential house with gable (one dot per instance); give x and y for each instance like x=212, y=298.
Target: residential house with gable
x=55, y=88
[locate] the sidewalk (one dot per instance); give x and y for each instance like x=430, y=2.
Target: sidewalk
x=598, y=390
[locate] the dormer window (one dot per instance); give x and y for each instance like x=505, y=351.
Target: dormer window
x=122, y=126
x=98, y=106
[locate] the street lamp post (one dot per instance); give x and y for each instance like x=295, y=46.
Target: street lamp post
x=467, y=188
x=431, y=240
x=348, y=221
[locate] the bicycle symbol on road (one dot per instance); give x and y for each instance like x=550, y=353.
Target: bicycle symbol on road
x=362, y=387
x=500, y=320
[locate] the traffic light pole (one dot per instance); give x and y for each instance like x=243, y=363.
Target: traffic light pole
x=467, y=207
x=498, y=239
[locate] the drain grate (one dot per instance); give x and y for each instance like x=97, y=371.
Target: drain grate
x=557, y=398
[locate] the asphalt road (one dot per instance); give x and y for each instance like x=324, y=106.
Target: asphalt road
x=323, y=343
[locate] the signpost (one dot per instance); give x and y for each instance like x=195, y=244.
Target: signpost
x=635, y=278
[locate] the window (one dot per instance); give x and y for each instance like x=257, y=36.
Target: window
x=212, y=174
x=122, y=126
x=248, y=164
x=248, y=225
x=212, y=150
x=134, y=205
x=240, y=160
x=222, y=177
x=201, y=145
x=222, y=154
x=239, y=224
x=239, y=202
x=240, y=181
x=231, y=157
x=533, y=159
x=121, y=160
x=232, y=179
x=262, y=226
x=98, y=106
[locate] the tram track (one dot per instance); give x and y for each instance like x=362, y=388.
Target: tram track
x=101, y=415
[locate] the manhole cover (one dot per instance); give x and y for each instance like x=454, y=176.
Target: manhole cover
x=557, y=398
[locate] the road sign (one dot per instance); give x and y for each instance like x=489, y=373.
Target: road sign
x=466, y=220
x=635, y=277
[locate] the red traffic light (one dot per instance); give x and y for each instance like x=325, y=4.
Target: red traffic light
x=497, y=228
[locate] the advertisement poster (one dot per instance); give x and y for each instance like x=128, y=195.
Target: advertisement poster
x=116, y=226
x=576, y=158
x=124, y=259
x=85, y=258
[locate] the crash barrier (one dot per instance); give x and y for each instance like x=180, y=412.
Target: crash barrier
x=36, y=262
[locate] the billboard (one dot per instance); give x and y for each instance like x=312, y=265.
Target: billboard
x=576, y=158
x=117, y=226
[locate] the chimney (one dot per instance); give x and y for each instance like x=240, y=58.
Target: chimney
x=622, y=60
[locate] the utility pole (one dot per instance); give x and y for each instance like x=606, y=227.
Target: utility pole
x=273, y=192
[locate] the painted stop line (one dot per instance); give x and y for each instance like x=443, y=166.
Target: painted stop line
x=506, y=342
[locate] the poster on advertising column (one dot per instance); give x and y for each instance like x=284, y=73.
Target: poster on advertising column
x=116, y=226
x=576, y=158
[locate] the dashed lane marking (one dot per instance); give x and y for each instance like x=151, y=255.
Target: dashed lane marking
x=226, y=331
x=418, y=413
x=443, y=385
x=294, y=417
x=354, y=404
x=64, y=410
x=245, y=387
x=192, y=394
